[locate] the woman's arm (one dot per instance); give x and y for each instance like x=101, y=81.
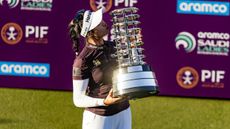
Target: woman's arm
x=80, y=83
x=80, y=98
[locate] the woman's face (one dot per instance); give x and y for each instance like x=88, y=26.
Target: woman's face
x=102, y=29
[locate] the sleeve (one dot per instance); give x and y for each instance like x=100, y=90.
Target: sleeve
x=80, y=98
x=81, y=76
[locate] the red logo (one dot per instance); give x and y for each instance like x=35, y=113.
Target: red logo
x=11, y=33
x=95, y=5
x=187, y=77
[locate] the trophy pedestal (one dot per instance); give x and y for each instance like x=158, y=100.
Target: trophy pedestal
x=135, y=82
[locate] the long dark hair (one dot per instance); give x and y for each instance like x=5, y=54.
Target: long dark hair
x=75, y=27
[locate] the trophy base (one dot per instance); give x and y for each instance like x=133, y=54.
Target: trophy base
x=135, y=82
x=139, y=92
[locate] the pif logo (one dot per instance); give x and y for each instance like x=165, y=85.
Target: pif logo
x=101, y=4
x=187, y=77
x=11, y=33
x=11, y=3
x=107, y=5
x=212, y=78
x=36, y=34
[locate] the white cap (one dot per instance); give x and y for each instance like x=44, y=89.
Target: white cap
x=90, y=21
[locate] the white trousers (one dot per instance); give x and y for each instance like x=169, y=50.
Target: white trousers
x=121, y=120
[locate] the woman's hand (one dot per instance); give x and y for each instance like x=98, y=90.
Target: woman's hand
x=109, y=100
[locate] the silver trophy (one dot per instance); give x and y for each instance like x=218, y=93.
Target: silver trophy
x=134, y=78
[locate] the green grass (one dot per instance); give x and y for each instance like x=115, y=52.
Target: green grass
x=39, y=109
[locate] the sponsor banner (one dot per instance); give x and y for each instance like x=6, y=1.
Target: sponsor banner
x=12, y=33
x=39, y=5
x=36, y=34
x=30, y=5
x=205, y=43
x=203, y=7
x=186, y=42
x=188, y=78
x=26, y=69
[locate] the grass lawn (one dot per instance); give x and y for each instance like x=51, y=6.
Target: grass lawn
x=40, y=109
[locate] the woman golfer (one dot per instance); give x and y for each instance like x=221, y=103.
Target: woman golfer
x=92, y=74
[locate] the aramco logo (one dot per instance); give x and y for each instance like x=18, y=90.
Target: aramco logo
x=203, y=7
x=186, y=40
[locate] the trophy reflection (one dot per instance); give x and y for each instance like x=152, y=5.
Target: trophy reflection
x=134, y=78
